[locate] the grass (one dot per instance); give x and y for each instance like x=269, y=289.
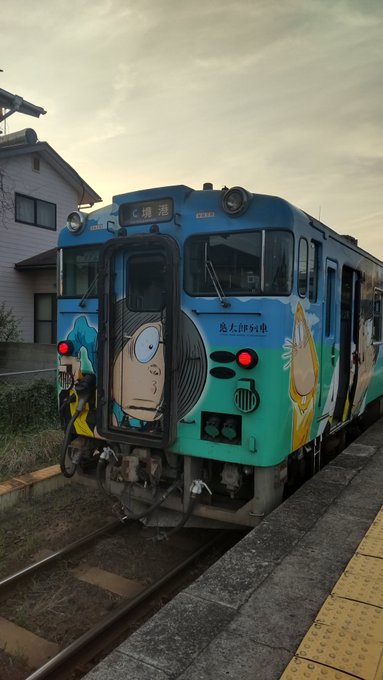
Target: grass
x=30, y=437
x=29, y=451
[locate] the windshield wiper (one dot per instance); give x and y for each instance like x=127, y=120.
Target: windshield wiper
x=216, y=283
x=88, y=292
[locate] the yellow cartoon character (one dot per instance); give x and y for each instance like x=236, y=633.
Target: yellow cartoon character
x=304, y=371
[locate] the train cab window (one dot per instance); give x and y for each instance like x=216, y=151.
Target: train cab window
x=233, y=259
x=239, y=263
x=378, y=316
x=302, y=267
x=79, y=271
x=146, y=283
x=278, y=262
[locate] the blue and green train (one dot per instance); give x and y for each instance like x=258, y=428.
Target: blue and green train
x=211, y=343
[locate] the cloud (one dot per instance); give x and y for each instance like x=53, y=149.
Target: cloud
x=281, y=97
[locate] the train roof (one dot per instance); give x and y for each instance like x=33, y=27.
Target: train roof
x=282, y=210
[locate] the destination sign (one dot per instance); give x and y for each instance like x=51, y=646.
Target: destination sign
x=144, y=212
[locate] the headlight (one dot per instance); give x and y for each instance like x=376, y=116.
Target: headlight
x=235, y=201
x=75, y=222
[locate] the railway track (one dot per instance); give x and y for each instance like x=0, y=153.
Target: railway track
x=11, y=580
x=134, y=600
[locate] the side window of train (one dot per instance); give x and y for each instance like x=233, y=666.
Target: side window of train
x=302, y=267
x=378, y=316
x=330, y=303
x=314, y=251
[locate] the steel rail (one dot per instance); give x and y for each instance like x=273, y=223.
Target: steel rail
x=65, y=655
x=17, y=576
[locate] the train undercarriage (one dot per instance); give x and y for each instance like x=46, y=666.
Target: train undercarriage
x=166, y=489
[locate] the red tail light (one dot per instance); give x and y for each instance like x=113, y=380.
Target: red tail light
x=65, y=348
x=247, y=358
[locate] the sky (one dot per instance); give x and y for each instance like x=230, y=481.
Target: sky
x=281, y=97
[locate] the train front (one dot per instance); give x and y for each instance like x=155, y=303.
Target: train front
x=179, y=355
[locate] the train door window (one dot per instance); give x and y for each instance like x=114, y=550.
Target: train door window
x=313, y=270
x=302, y=267
x=146, y=283
x=330, y=303
x=378, y=316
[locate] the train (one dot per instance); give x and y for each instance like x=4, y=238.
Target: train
x=212, y=344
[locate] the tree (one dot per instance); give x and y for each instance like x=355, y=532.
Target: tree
x=9, y=325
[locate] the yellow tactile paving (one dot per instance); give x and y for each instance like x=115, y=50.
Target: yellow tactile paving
x=346, y=639
x=379, y=671
x=357, y=587
x=377, y=526
x=365, y=566
x=342, y=650
x=352, y=617
x=371, y=546
x=300, y=668
x=379, y=516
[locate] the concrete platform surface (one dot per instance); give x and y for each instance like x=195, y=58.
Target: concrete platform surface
x=245, y=618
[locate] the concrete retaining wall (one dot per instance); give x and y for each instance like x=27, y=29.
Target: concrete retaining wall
x=26, y=356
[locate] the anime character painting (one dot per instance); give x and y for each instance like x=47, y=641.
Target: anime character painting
x=71, y=368
x=138, y=376
x=138, y=373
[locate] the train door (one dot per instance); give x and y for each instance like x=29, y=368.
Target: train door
x=139, y=312
x=348, y=343
x=328, y=378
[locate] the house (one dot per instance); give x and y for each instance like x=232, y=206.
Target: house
x=38, y=189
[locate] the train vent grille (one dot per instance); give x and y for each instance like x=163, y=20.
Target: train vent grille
x=245, y=400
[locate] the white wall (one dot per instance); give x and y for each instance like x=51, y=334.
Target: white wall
x=20, y=241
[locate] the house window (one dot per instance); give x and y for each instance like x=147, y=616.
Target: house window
x=36, y=163
x=45, y=318
x=35, y=211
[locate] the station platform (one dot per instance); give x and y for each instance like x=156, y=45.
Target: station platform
x=299, y=597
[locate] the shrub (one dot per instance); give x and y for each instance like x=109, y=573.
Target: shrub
x=26, y=406
x=9, y=325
